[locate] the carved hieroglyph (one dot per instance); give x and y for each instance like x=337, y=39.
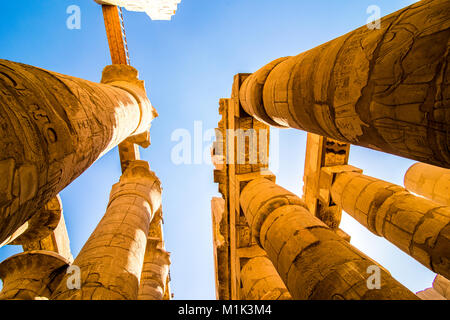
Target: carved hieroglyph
x=385, y=89
x=111, y=260
x=313, y=261
x=52, y=128
x=418, y=226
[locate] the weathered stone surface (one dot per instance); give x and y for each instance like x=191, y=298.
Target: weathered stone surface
x=31, y=275
x=260, y=281
x=313, y=261
x=429, y=181
x=155, y=272
x=111, y=260
x=41, y=225
x=52, y=128
x=430, y=294
x=417, y=226
x=442, y=285
x=322, y=152
x=385, y=89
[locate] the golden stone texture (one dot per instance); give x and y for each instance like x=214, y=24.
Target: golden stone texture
x=260, y=281
x=53, y=127
x=418, y=226
x=429, y=181
x=111, y=260
x=312, y=260
x=385, y=89
x=41, y=225
x=31, y=275
x=155, y=271
x=439, y=291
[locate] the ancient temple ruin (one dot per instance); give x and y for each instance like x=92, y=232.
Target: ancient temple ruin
x=384, y=89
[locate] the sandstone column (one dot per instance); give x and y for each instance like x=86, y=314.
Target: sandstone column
x=442, y=285
x=383, y=89
x=41, y=224
x=261, y=281
x=439, y=291
x=312, y=260
x=53, y=127
x=418, y=226
x=31, y=275
x=111, y=260
x=155, y=271
x=429, y=181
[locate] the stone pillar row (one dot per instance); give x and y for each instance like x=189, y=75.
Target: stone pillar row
x=418, y=226
x=53, y=127
x=311, y=259
x=384, y=89
x=111, y=260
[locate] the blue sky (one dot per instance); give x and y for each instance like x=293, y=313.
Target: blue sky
x=188, y=64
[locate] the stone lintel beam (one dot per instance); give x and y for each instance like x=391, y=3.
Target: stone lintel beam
x=384, y=89
x=31, y=275
x=429, y=181
x=53, y=127
x=311, y=259
x=261, y=281
x=111, y=260
x=41, y=225
x=322, y=152
x=418, y=226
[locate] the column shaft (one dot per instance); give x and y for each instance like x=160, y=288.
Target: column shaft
x=261, y=281
x=429, y=181
x=155, y=271
x=418, y=226
x=384, y=89
x=312, y=260
x=111, y=260
x=53, y=127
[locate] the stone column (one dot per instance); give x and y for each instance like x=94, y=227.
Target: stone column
x=111, y=260
x=41, y=224
x=312, y=260
x=31, y=275
x=418, y=226
x=429, y=181
x=439, y=291
x=442, y=285
x=383, y=89
x=53, y=127
x=156, y=265
x=261, y=281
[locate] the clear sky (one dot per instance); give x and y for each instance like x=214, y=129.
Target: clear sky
x=188, y=64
